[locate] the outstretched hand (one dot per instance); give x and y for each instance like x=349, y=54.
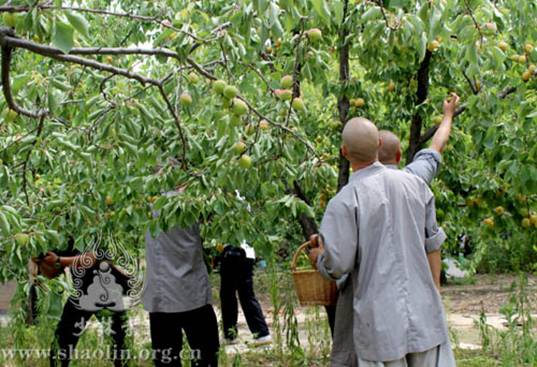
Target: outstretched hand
x=450, y=104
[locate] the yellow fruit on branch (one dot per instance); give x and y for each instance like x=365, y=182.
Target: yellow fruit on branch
x=526, y=222
x=239, y=107
x=193, y=77
x=359, y=102
x=286, y=82
x=22, y=239
x=185, y=99
x=391, y=86
x=437, y=119
x=239, y=147
x=526, y=75
x=500, y=210
x=108, y=200
x=298, y=104
x=314, y=35
x=489, y=222
x=433, y=46
x=219, y=86
x=528, y=47
x=245, y=161
x=284, y=94
x=504, y=46
x=263, y=124
x=230, y=92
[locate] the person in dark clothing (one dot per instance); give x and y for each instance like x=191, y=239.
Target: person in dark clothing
x=86, y=271
x=236, y=274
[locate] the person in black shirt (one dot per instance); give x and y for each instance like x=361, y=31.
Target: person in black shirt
x=88, y=273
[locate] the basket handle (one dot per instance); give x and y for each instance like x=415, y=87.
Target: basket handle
x=297, y=253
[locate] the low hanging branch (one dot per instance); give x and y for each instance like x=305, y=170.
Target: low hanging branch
x=57, y=54
x=6, y=81
x=9, y=41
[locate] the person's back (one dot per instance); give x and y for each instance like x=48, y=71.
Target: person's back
x=398, y=309
x=177, y=295
x=177, y=279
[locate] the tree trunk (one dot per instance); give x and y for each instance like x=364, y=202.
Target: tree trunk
x=343, y=101
x=421, y=95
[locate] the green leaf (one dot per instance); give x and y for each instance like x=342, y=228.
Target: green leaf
x=372, y=13
x=322, y=10
x=62, y=36
x=79, y=23
x=4, y=224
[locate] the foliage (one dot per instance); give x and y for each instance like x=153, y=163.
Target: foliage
x=517, y=345
x=116, y=136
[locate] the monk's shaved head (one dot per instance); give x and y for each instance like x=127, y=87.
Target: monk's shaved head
x=360, y=140
x=390, y=150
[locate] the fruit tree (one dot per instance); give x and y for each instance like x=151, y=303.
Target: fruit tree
x=108, y=104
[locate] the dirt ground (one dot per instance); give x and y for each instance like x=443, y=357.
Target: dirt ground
x=486, y=292
x=464, y=301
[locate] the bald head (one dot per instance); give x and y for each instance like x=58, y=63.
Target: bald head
x=360, y=140
x=390, y=150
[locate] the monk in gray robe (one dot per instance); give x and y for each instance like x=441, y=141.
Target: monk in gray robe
x=380, y=228
x=426, y=165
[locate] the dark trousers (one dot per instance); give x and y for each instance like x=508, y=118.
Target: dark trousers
x=237, y=277
x=331, y=314
x=201, y=329
x=71, y=326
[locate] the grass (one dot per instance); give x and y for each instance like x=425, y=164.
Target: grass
x=304, y=344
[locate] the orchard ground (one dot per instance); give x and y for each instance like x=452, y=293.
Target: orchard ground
x=466, y=301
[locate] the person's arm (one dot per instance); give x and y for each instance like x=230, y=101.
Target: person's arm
x=338, y=241
x=441, y=136
x=434, y=238
x=85, y=260
x=435, y=263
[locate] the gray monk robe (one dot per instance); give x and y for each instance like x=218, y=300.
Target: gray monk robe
x=379, y=229
x=426, y=165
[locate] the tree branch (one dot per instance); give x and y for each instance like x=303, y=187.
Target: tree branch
x=421, y=96
x=432, y=130
x=57, y=54
x=178, y=124
x=6, y=81
x=25, y=165
x=343, y=101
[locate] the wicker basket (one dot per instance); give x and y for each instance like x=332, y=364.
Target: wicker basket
x=311, y=287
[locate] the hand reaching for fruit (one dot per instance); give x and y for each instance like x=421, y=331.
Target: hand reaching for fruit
x=450, y=104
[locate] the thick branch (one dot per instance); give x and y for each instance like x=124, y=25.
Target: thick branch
x=343, y=101
x=6, y=82
x=23, y=9
x=421, y=96
x=309, y=226
x=57, y=54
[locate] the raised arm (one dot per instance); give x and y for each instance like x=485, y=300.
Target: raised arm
x=441, y=136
